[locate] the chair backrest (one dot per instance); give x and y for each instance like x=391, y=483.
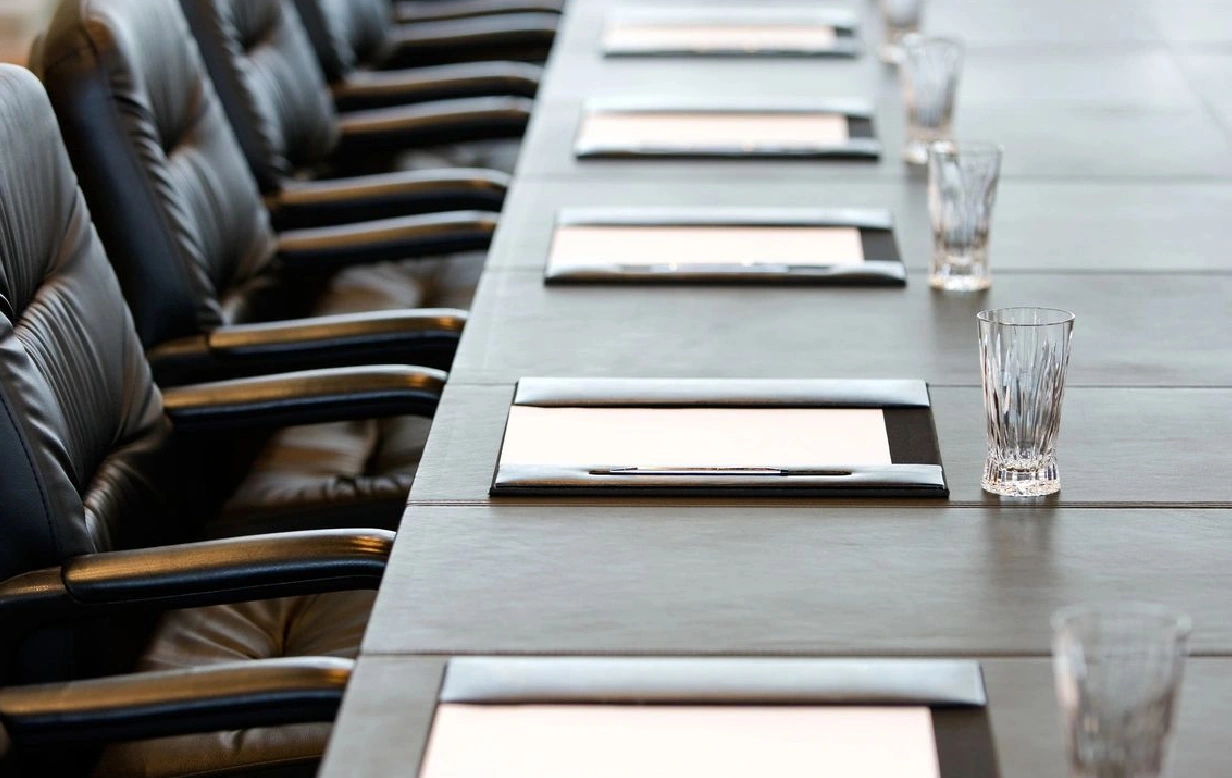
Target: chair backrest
x=266, y=75
x=83, y=437
x=175, y=204
x=346, y=33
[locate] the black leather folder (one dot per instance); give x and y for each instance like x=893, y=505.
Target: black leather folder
x=649, y=260
x=720, y=438
x=952, y=691
x=685, y=128
x=735, y=32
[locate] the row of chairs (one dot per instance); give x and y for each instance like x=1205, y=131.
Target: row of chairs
x=199, y=488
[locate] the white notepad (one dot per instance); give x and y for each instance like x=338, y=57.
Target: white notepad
x=585, y=245
x=717, y=130
x=696, y=437
x=647, y=36
x=611, y=741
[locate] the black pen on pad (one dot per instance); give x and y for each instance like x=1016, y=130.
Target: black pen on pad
x=704, y=471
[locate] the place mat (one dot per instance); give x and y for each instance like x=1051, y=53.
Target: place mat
x=656, y=717
x=625, y=130
x=786, y=246
x=719, y=437
x=684, y=32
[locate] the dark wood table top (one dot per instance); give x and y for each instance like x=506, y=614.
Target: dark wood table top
x=1117, y=125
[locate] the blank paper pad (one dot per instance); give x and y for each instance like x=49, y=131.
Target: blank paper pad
x=687, y=131
x=596, y=741
x=603, y=245
x=696, y=437
x=720, y=37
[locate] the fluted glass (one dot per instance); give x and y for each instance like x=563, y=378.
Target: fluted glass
x=962, y=190
x=930, y=72
x=900, y=19
x=1023, y=356
x=1118, y=671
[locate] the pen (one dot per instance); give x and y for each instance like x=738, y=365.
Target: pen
x=704, y=471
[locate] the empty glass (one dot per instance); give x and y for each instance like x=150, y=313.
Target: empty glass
x=1023, y=356
x=930, y=71
x=1118, y=672
x=901, y=18
x=962, y=189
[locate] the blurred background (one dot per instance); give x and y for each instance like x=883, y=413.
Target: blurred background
x=19, y=21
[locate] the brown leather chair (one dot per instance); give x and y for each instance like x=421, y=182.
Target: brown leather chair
x=110, y=488
x=267, y=79
x=365, y=35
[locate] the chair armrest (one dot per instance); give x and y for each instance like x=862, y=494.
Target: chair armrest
x=232, y=695
x=442, y=10
x=303, y=204
x=366, y=89
x=526, y=37
x=308, y=397
x=443, y=122
x=325, y=249
x=427, y=337
x=215, y=572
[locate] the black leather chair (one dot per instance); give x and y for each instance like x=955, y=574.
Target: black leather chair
x=213, y=290
x=110, y=486
x=266, y=76
x=364, y=35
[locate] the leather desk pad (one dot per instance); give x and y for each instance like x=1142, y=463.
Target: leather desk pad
x=652, y=716
x=719, y=437
x=665, y=129
x=724, y=246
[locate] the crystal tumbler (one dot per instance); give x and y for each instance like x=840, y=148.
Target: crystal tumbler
x=962, y=189
x=1118, y=671
x=1023, y=356
x=901, y=18
x=930, y=71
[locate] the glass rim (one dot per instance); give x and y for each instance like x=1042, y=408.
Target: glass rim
x=919, y=39
x=1179, y=621
x=968, y=148
x=1062, y=316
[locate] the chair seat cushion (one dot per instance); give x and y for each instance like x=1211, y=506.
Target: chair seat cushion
x=322, y=476
x=318, y=625
x=350, y=474
x=440, y=282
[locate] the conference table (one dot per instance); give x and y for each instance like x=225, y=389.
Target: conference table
x=1114, y=203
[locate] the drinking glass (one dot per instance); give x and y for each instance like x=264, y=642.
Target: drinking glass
x=930, y=71
x=1023, y=356
x=962, y=189
x=901, y=18
x=1118, y=671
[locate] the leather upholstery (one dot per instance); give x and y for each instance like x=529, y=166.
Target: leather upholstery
x=186, y=226
x=266, y=76
x=321, y=625
x=89, y=464
x=171, y=193
x=352, y=34
x=345, y=34
x=262, y=63
x=178, y=210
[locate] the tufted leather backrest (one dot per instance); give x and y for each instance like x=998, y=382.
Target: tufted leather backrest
x=82, y=433
x=346, y=33
x=267, y=77
x=175, y=203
